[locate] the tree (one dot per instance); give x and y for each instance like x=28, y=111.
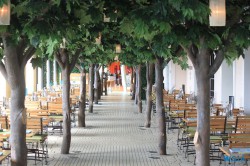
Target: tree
x=149, y=22
x=76, y=19
x=62, y=57
x=201, y=42
x=20, y=40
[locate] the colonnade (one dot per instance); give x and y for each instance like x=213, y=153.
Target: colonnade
x=230, y=80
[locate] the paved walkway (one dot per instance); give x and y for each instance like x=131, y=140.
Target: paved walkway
x=115, y=136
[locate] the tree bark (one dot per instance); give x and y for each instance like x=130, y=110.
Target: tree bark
x=134, y=85
x=149, y=75
x=139, y=89
x=96, y=85
x=81, y=113
x=203, y=117
x=159, y=105
x=13, y=70
x=102, y=81
x=66, y=111
x=91, y=90
x=99, y=84
x=132, y=76
x=106, y=84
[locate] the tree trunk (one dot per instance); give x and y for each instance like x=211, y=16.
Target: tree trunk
x=134, y=85
x=106, y=84
x=96, y=85
x=13, y=71
x=91, y=84
x=66, y=111
x=202, y=134
x=203, y=119
x=139, y=89
x=99, y=84
x=81, y=113
x=132, y=76
x=102, y=81
x=159, y=105
x=149, y=74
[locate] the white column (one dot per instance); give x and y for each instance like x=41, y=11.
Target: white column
x=238, y=89
x=39, y=79
x=217, y=86
x=123, y=74
x=54, y=73
x=171, y=69
x=2, y=87
x=29, y=78
x=48, y=74
x=247, y=81
x=190, y=82
x=166, y=77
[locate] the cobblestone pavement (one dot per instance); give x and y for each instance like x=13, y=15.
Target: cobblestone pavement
x=115, y=136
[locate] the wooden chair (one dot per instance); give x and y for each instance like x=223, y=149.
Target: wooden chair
x=55, y=108
x=56, y=115
x=242, y=124
x=236, y=140
x=39, y=113
x=4, y=122
x=236, y=111
x=36, y=143
x=217, y=125
x=32, y=104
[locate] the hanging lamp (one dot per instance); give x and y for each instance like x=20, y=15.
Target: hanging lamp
x=218, y=13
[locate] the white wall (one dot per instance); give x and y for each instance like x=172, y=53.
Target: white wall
x=175, y=77
x=227, y=82
x=180, y=77
x=223, y=83
x=247, y=81
x=190, y=79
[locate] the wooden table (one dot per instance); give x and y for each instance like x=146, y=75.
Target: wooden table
x=6, y=153
x=5, y=134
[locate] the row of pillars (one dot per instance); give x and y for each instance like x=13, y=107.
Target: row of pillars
x=48, y=79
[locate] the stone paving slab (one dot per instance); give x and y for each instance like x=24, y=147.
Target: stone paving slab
x=115, y=136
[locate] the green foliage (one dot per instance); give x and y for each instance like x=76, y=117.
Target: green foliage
x=3, y=2
x=75, y=70
x=37, y=62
